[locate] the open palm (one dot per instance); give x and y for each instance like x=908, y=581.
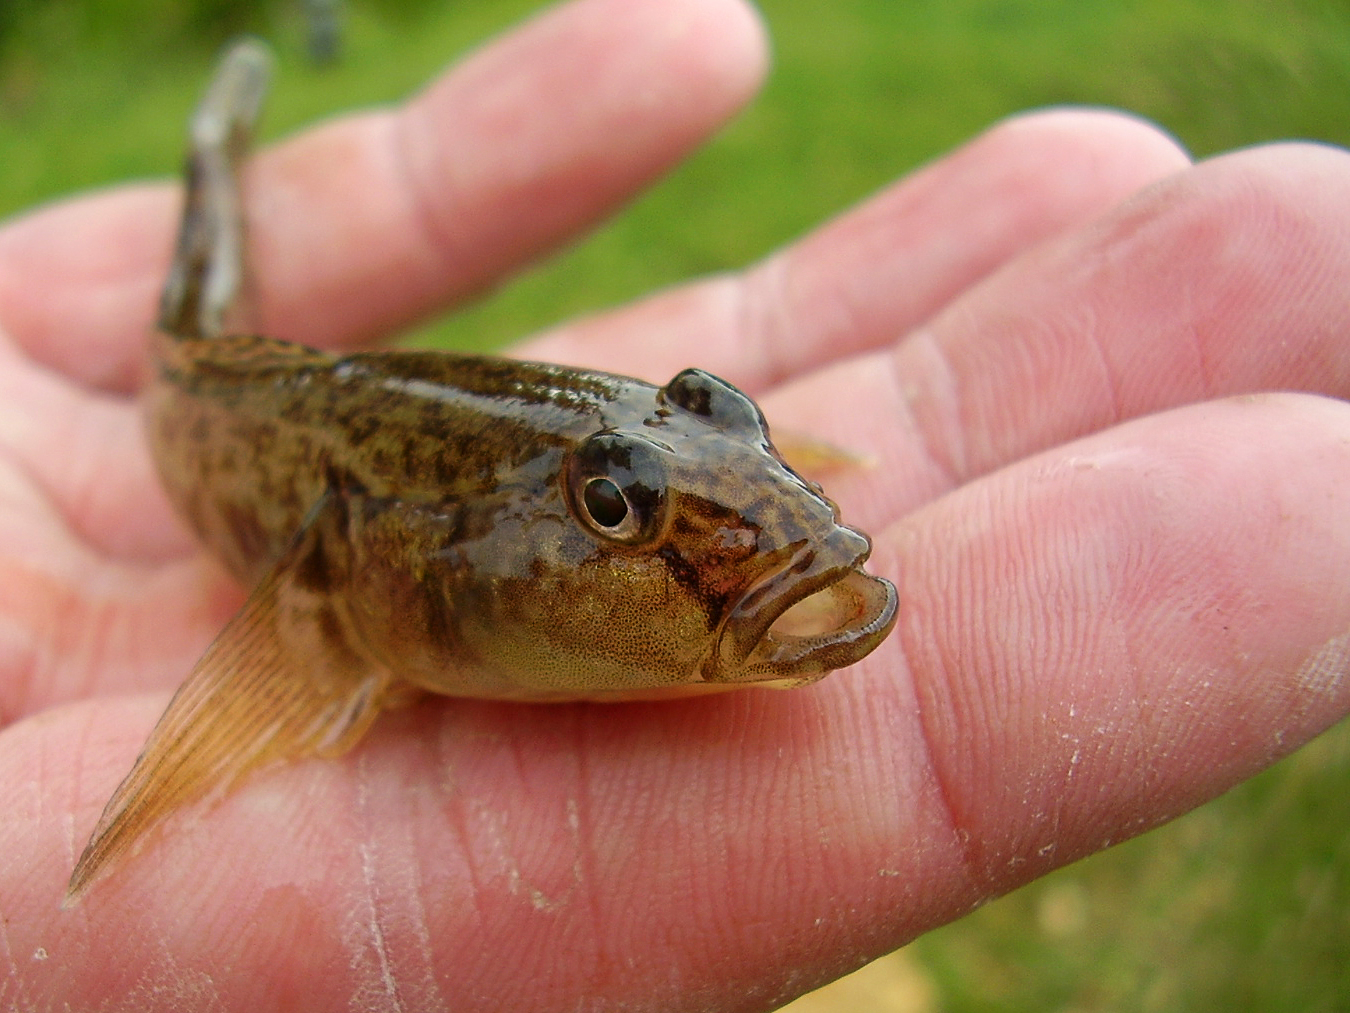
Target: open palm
x=1122, y=590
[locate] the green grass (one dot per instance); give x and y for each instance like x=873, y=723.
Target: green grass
x=1245, y=904
x=862, y=90
x=1242, y=905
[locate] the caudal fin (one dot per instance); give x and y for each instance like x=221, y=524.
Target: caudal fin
x=208, y=262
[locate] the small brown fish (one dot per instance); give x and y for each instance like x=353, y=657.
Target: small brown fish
x=464, y=525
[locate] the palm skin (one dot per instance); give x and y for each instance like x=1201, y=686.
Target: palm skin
x=1123, y=565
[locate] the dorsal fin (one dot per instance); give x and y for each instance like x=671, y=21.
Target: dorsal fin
x=286, y=678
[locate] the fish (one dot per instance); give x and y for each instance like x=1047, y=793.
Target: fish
x=417, y=522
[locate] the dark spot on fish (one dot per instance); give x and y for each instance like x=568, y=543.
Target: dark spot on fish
x=686, y=574
x=701, y=393
x=359, y=427
x=326, y=618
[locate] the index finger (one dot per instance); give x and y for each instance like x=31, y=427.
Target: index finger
x=361, y=225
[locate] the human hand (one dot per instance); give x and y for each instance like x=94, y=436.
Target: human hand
x=1120, y=593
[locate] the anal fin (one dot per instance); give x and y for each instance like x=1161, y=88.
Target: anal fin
x=286, y=678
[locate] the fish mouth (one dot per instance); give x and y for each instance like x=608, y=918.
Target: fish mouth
x=817, y=611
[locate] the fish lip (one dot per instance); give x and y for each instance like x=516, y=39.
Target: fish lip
x=750, y=650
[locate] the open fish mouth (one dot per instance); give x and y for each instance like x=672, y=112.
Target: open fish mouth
x=829, y=629
x=808, y=617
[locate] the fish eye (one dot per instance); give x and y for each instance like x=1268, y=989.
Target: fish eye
x=605, y=503
x=616, y=485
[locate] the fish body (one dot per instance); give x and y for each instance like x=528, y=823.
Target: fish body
x=454, y=544
x=422, y=521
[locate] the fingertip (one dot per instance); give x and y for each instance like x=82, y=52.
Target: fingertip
x=744, y=42
x=701, y=59
x=1294, y=193
x=534, y=137
x=1130, y=146
x=724, y=46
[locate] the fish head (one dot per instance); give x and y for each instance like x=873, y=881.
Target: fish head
x=695, y=516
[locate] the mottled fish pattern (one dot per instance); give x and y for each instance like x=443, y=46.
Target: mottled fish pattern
x=474, y=526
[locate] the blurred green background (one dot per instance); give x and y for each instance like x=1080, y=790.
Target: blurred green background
x=1244, y=904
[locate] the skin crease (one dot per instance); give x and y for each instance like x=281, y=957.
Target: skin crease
x=1123, y=567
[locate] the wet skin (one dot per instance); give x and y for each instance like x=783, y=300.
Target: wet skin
x=464, y=525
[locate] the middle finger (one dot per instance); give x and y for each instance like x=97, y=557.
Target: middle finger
x=1224, y=279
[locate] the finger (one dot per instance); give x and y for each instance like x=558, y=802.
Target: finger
x=951, y=224
x=1092, y=641
x=76, y=624
x=1224, y=279
x=882, y=268
x=365, y=224
x=102, y=589
x=85, y=454
x=79, y=282
x=1106, y=635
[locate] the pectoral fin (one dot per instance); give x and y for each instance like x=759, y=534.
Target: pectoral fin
x=814, y=458
x=284, y=679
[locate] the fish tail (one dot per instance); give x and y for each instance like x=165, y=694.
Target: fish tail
x=208, y=264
